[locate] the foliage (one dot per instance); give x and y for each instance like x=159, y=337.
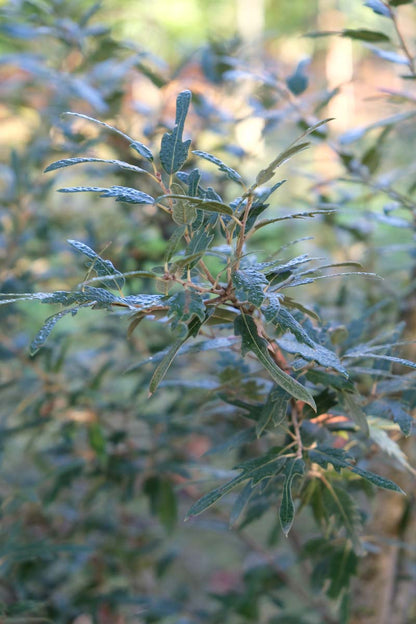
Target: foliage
x=242, y=400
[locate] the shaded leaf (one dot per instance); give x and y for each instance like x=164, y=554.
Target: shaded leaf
x=274, y=410
x=255, y=470
x=245, y=327
x=355, y=411
x=363, y=34
x=184, y=305
x=316, y=353
x=183, y=212
x=293, y=468
x=203, y=204
x=249, y=285
x=163, y=367
x=323, y=455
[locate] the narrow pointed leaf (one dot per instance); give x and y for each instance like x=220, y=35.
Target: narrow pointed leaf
x=231, y=173
x=121, y=193
x=245, y=327
x=355, y=411
x=102, y=267
x=68, y=162
x=43, y=334
x=316, y=353
x=266, y=174
x=362, y=34
x=274, y=410
x=293, y=468
x=163, y=367
x=323, y=455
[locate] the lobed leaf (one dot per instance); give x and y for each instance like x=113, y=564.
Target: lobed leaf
x=293, y=467
x=249, y=285
x=274, y=410
x=174, y=151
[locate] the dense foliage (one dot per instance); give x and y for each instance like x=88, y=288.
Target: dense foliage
x=207, y=373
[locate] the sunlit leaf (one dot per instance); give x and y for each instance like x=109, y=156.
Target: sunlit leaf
x=174, y=151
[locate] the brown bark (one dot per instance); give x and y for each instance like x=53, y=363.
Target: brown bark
x=385, y=591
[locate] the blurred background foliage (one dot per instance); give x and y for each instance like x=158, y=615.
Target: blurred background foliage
x=95, y=480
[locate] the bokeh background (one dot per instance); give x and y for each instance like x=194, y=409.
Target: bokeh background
x=95, y=480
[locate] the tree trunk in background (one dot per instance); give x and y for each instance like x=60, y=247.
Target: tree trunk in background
x=384, y=591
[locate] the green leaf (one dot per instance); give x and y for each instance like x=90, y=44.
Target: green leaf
x=274, y=410
x=395, y=3
x=162, y=368
x=266, y=174
x=173, y=242
x=184, y=305
x=103, y=124
x=240, y=503
x=245, y=327
x=231, y=173
x=362, y=34
x=249, y=285
x=389, y=446
x=142, y=150
x=296, y=215
x=355, y=411
x=174, y=151
x=255, y=470
x=121, y=193
x=343, y=565
x=167, y=506
x=43, y=334
x=198, y=244
x=68, y=162
x=203, y=204
x=323, y=455
x=103, y=268
x=316, y=353
x=183, y=212
x=287, y=321
x=293, y=468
